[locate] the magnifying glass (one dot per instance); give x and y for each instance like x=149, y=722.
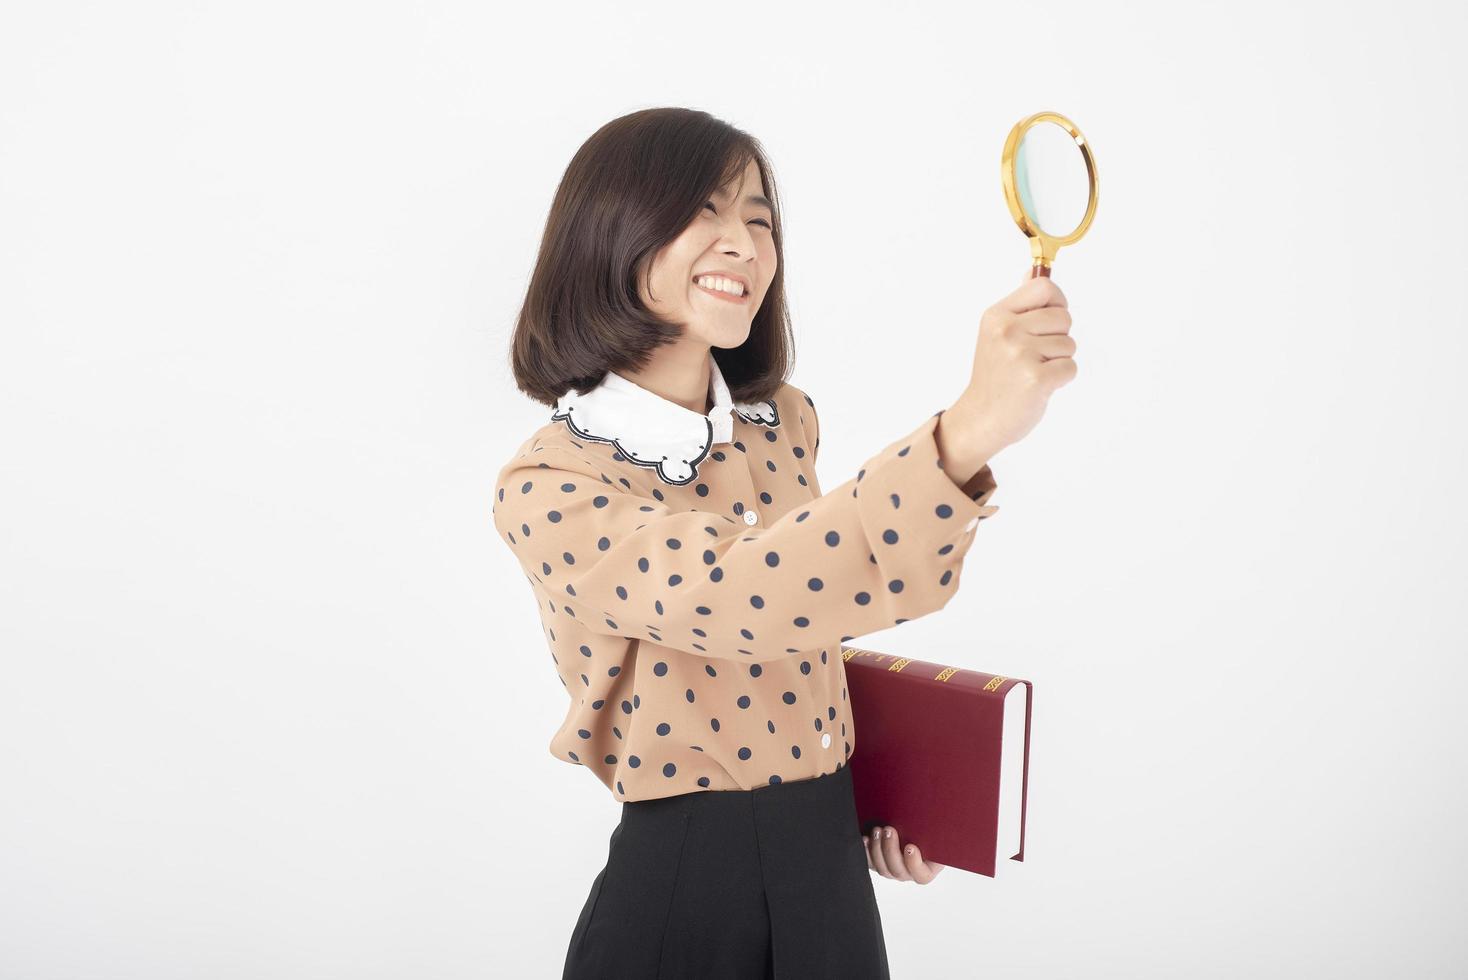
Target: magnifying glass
x=1051, y=189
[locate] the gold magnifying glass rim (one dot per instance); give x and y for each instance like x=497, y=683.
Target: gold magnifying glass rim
x=1045, y=246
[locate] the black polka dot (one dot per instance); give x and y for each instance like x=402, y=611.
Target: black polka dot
x=669, y=769
x=744, y=752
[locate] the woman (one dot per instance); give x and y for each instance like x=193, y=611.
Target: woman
x=695, y=584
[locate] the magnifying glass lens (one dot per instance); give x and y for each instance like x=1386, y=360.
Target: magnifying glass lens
x=1052, y=179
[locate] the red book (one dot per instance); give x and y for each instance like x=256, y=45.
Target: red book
x=942, y=754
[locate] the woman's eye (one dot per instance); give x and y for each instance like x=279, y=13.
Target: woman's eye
x=757, y=221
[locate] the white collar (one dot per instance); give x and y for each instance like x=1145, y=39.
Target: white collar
x=653, y=431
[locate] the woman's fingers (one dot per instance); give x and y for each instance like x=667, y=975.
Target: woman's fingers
x=892, y=852
x=887, y=856
x=874, y=854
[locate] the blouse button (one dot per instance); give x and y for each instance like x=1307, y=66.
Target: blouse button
x=826, y=741
x=750, y=517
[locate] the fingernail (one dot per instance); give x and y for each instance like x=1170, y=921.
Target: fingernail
x=889, y=831
x=909, y=848
x=864, y=840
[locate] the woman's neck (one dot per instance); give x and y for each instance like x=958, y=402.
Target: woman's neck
x=680, y=373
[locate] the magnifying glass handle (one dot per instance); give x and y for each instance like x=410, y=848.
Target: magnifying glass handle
x=1038, y=270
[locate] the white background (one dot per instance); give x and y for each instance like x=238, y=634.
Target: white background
x=275, y=701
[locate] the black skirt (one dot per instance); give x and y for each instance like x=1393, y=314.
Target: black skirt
x=764, y=883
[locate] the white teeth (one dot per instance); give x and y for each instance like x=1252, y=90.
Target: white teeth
x=717, y=282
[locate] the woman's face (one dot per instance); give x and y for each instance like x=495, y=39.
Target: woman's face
x=732, y=236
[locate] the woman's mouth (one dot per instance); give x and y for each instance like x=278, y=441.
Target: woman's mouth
x=720, y=288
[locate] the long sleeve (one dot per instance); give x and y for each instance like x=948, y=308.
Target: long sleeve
x=884, y=547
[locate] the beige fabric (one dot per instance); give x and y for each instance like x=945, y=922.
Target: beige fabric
x=702, y=652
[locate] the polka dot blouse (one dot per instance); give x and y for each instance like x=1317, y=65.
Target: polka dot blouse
x=695, y=602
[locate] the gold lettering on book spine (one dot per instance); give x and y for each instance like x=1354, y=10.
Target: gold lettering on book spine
x=993, y=685
x=899, y=664
x=946, y=673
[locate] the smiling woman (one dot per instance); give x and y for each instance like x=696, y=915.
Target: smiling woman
x=693, y=582
x=650, y=202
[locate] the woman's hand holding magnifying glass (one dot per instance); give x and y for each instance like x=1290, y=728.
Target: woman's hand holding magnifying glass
x=1024, y=353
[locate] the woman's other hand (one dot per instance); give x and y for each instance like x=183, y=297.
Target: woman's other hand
x=887, y=856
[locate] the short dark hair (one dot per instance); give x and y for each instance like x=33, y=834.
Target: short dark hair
x=632, y=188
